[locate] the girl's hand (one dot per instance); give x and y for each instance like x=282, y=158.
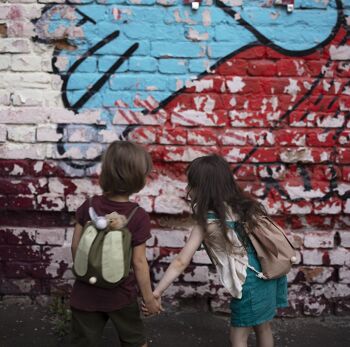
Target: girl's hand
x=152, y=306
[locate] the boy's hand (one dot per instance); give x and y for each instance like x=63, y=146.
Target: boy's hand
x=152, y=306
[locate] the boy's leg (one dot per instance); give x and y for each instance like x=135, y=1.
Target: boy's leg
x=239, y=336
x=264, y=336
x=87, y=328
x=129, y=325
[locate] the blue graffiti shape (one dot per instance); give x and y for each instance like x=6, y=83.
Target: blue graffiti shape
x=127, y=52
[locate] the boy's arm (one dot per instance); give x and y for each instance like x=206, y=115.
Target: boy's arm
x=143, y=279
x=179, y=264
x=78, y=229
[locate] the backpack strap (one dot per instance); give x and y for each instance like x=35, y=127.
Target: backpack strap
x=131, y=215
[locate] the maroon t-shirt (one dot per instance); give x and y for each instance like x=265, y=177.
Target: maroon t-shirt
x=87, y=297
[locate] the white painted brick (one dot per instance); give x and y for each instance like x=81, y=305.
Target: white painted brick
x=339, y=256
x=78, y=151
x=26, y=63
x=21, y=133
x=3, y=133
x=152, y=253
x=23, y=115
x=158, y=273
x=4, y=11
x=50, y=236
x=53, y=99
x=5, y=61
x=23, y=1
x=316, y=274
x=344, y=274
x=170, y=204
x=49, y=1
x=292, y=274
x=14, y=45
x=22, y=151
x=81, y=134
x=30, y=80
x=347, y=206
x=74, y=201
x=169, y=258
x=109, y=135
x=59, y=254
x=85, y=187
x=63, y=116
x=334, y=290
x=27, y=97
x=313, y=257
x=199, y=274
x=201, y=257
x=170, y=238
x=146, y=202
x=47, y=133
x=5, y=97
x=345, y=238
x=56, y=82
x=69, y=235
x=151, y=241
x=319, y=240
x=20, y=29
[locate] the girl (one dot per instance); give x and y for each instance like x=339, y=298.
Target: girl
x=216, y=199
x=125, y=167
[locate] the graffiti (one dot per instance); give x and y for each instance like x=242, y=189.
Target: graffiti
x=131, y=62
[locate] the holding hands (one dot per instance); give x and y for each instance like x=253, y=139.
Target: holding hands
x=152, y=305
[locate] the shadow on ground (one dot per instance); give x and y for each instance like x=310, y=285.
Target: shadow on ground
x=29, y=326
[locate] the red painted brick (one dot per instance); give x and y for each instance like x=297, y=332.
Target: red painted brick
x=20, y=253
x=203, y=137
x=331, y=206
x=346, y=173
x=320, y=138
x=256, y=155
x=14, y=167
x=10, y=186
x=172, y=135
x=261, y=68
x=253, y=53
x=343, y=155
x=291, y=67
x=233, y=67
x=290, y=137
x=21, y=202
x=245, y=172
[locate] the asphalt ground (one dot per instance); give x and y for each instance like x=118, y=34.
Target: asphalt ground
x=29, y=325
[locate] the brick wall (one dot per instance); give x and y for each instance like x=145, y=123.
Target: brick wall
x=267, y=89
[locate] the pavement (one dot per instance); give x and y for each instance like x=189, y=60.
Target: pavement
x=26, y=326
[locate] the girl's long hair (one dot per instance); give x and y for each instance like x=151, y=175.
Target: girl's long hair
x=213, y=188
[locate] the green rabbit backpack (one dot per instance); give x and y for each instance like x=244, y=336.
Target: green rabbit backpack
x=103, y=256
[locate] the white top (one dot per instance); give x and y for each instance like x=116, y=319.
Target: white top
x=232, y=270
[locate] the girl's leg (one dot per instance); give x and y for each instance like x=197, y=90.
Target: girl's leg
x=264, y=336
x=239, y=336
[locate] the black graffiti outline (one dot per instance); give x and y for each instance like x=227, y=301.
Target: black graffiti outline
x=261, y=40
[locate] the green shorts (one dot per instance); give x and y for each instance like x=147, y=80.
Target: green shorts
x=87, y=327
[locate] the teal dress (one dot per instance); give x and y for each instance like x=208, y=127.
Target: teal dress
x=260, y=298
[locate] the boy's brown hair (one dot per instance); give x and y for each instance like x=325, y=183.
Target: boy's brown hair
x=125, y=166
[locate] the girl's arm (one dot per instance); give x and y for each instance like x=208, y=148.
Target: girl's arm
x=78, y=229
x=179, y=264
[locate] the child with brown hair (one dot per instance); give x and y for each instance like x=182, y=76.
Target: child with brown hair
x=225, y=214
x=125, y=167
